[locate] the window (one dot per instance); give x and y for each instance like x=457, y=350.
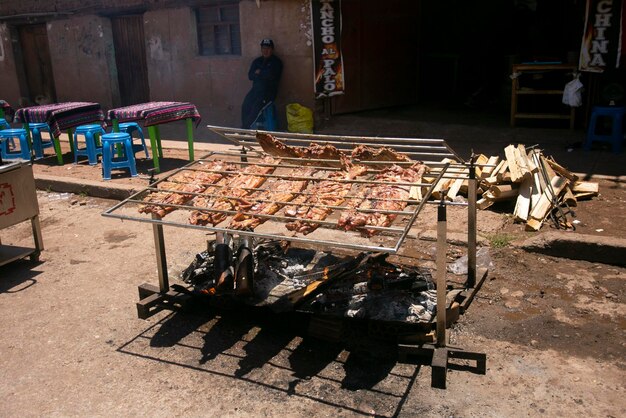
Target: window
x=218, y=29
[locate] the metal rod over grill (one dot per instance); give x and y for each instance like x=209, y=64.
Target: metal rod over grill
x=389, y=238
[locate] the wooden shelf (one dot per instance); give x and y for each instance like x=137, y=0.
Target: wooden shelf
x=517, y=90
x=542, y=116
x=540, y=92
x=10, y=253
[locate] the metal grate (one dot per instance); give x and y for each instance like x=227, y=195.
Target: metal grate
x=326, y=231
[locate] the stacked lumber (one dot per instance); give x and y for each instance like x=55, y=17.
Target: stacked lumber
x=537, y=185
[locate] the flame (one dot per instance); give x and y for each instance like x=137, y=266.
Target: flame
x=325, y=276
x=209, y=292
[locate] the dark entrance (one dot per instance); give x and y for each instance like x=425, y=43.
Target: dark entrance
x=130, y=58
x=37, y=64
x=380, y=54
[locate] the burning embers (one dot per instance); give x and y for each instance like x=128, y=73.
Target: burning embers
x=286, y=278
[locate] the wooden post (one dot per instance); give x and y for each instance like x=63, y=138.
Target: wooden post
x=471, y=226
x=159, y=245
x=441, y=273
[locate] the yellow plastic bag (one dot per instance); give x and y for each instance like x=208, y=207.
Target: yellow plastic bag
x=299, y=119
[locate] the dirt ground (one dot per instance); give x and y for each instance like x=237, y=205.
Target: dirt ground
x=553, y=330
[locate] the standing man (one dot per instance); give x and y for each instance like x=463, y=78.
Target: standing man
x=264, y=73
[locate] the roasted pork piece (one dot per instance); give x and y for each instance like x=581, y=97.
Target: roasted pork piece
x=269, y=201
x=314, y=151
x=365, y=153
x=328, y=192
x=381, y=198
x=175, y=191
x=232, y=193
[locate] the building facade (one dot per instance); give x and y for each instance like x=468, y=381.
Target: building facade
x=122, y=52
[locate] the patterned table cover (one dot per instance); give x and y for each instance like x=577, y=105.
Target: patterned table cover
x=155, y=113
x=61, y=116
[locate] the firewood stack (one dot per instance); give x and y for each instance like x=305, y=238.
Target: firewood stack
x=538, y=185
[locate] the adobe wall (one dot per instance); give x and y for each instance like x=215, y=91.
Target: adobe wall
x=83, y=60
x=218, y=84
x=9, y=81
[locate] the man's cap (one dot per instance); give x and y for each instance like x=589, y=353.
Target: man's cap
x=267, y=42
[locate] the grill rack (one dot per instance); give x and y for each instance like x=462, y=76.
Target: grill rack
x=388, y=239
x=153, y=299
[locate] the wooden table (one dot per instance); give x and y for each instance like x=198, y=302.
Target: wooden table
x=154, y=114
x=61, y=117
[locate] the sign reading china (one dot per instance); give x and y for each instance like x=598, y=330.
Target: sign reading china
x=328, y=78
x=601, y=46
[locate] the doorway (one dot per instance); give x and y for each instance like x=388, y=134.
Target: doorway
x=130, y=58
x=37, y=64
x=380, y=54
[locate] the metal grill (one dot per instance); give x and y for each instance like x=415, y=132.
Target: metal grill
x=326, y=233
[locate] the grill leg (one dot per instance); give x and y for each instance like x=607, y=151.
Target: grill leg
x=441, y=274
x=159, y=244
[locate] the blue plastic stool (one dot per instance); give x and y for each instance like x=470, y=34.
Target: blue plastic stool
x=20, y=134
x=109, y=161
x=91, y=149
x=616, y=136
x=266, y=119
x=5, y=125
x=38, y=143
x=129, y=128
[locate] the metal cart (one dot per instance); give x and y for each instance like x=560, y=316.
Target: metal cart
x=18, y=203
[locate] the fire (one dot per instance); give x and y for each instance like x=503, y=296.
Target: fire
x=325, y=276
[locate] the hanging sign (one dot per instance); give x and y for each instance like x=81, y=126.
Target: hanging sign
x=328, y=78
x=601, y=45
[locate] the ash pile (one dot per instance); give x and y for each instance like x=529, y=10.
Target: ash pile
x=285, y=278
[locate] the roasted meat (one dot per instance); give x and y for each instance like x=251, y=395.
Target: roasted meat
x=382, y=198
x=269, y=201
x=176, y=190
x=278, y=148
x=232, y=193
x=329, y=192
x=365, y=153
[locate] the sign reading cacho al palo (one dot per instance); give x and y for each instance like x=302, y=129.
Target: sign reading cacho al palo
x=326, y=15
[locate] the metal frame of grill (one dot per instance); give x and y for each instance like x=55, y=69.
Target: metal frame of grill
x=247, y=152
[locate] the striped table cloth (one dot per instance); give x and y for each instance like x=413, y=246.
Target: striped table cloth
x=155, y=113
x=61, y=116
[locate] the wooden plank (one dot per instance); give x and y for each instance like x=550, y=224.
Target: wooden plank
x=585, y=187
x=544, y=206
x=562, y=170
x=518, y=162
x=494, y=160
x=480, y=161
x=500, y=168
x=568, y=198
x=484, y=202
x=514, y=168
x=522, y=205
x=503, y=191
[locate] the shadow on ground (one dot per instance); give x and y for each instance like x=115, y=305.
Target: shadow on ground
x=273, y=353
